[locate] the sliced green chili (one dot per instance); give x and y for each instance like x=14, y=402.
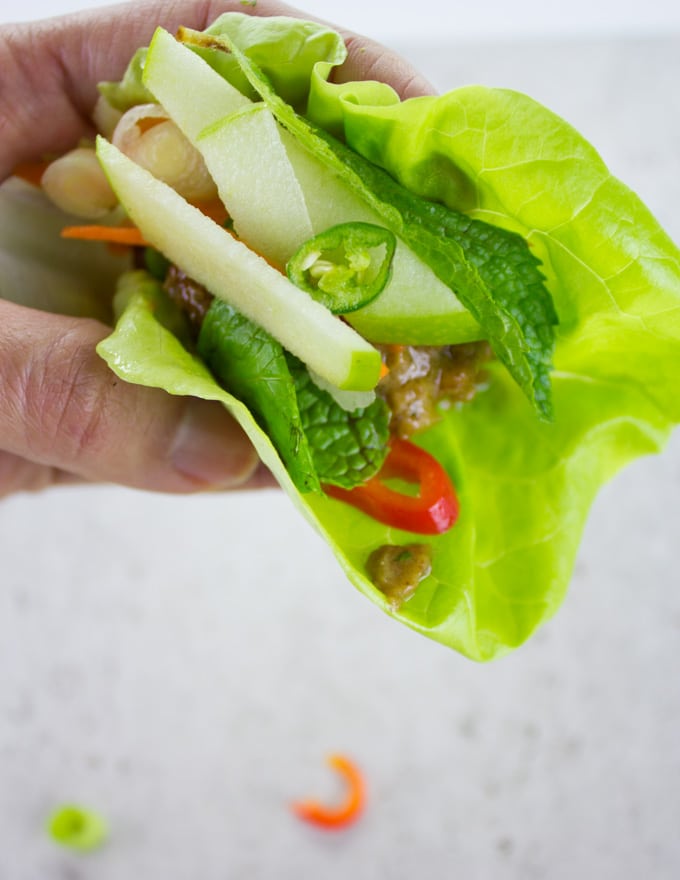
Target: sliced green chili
x=77, y=828
x=345, y=267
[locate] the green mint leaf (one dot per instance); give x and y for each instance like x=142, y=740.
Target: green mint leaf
x=347, y=447
x=251, y=364
x=509, y=298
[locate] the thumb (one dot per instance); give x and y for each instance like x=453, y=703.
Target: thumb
x=61, y=407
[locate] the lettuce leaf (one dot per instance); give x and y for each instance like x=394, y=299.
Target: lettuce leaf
x=287, y=55
x=525, y=486
x=130, y=90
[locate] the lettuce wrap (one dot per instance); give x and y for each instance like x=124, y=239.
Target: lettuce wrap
x=525, y=471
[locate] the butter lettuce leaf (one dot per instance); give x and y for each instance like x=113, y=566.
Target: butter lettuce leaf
x=129, y=90
x=525, y=486
x=288, y=55
x=316, y=439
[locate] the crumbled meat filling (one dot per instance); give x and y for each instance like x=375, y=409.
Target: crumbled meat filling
x=422, y=379
x=396, y=570
x=190, y=296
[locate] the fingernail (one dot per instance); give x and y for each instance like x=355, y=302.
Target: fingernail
x=210, y=448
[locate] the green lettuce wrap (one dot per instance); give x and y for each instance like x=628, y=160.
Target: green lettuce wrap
x=525, y=484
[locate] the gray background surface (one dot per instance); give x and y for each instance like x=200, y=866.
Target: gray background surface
x=184, y=665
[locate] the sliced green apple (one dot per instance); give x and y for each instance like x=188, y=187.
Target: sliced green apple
x=279, y=195
x=233, y=272
x=415, y=307
x=240, y=143
x=256, y=182
x=172, y=70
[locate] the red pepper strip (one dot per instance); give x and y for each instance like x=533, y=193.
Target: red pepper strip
x=432, y=511
x=346, y=812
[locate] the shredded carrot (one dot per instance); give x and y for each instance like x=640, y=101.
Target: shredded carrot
x=348, y=810
x=31, y=172
x=391, y=352
x=128, y=235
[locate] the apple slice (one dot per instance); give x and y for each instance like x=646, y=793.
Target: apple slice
x=192, y=93
x=240, y=143
x=279, y=195
x=256, y=182
x=415, y=307
x=231, y=271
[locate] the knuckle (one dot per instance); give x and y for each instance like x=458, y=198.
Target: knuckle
x=66, y=403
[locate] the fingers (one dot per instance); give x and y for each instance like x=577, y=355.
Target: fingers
x=17, y=474
x=50, y=69
x=62, y=409
x=367, y=59
x=63, y=415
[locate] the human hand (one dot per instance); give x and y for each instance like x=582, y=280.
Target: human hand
x=63, y=415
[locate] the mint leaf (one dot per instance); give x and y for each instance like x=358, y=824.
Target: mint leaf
x=318, y=441
x=508, y=297
x=347, y=447
x=251, y=365
x=490, y=270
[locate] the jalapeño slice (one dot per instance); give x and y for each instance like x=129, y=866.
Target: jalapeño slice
x=344, y=267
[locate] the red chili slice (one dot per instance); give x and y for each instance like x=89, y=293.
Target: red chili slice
x=432, y=511
x=348, y=810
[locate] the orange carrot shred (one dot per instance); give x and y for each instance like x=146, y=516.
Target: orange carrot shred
x=128, y=235
x=348, y=810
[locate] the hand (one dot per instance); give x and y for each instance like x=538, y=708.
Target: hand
x=63, y=415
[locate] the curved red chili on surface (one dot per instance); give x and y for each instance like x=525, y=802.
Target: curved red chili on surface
x=432, y=511
x=348, y=810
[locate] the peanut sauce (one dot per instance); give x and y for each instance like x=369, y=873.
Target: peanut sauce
x=397, y=569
